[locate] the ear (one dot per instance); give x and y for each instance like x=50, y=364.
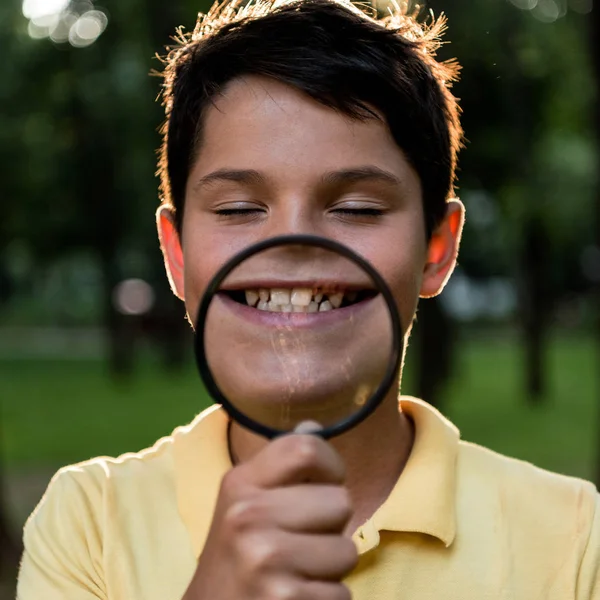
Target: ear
x=443, y=250
x=170, y=244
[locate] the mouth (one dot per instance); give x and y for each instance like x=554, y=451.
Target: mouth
x=299, y=299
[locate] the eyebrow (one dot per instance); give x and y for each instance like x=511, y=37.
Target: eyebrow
x=340, y=177
x=247, y=176
x=359, y=174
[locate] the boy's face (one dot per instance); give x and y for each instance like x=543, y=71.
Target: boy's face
x=290, y=165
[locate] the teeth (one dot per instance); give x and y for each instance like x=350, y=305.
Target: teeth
x=251, y=297
x=301, y=296
x=325, y=305
x=280, y=296
x=297, y=300
x=336, y=299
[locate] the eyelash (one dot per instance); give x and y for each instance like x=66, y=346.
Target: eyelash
x=232, y=212
x=350, y=212
x=360, y=212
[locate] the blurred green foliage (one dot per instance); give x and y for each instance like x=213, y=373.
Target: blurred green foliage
x=78, y=133
x=527, y=91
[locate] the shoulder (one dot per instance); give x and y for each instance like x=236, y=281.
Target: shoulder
x=91, y=511
x=488, y=467
x=105, y=489
x=548, y=522
x=150, y=466
x=66, y=536
x=519, y=492
x=86, y=490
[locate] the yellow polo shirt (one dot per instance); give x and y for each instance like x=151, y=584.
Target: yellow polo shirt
x=462, y=523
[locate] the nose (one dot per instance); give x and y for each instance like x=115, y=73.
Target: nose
x=294, y=215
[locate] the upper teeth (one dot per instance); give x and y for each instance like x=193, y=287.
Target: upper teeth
x=295, y=299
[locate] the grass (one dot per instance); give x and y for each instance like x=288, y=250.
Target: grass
x=60, y=412
x=486, y=400
x=66, y=411
x=55, y=413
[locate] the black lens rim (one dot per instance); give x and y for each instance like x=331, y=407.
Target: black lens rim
x=327, y=244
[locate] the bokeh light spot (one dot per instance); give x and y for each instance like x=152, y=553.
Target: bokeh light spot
x=86, y=30
x=525, y=4
x=133, y=297
x=547, y=11
x=49, y=22
x=37, y=32
x=64, y=20
x=60, y=33
x=34, y=9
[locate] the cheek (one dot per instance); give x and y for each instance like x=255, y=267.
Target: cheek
x=202, y=258
x=403, y=272
x=405, y=286
x=205, y=251
x=196, y=281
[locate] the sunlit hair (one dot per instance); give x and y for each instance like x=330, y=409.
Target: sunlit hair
x=342, y=56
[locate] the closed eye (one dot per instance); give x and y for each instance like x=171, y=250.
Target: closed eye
x=230, y=212
x=239, y=211
x=359, y=212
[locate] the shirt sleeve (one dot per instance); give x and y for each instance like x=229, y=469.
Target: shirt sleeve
x=62, y=540
x=588, y=584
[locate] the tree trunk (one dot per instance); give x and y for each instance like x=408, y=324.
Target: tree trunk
x=119, y=338
x=434, y=338
x=10, y=547
x=10, y=550
x=172, y=332
x=535, y=307
x=95, y=161
x=595, y=50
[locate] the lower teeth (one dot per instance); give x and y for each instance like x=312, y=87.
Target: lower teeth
x=313, y=307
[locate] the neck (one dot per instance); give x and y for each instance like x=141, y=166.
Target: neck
x=375, y=452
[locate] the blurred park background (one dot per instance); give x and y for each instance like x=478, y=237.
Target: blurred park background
x=94, y=351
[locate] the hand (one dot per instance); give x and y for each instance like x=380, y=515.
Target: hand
x=277, y=531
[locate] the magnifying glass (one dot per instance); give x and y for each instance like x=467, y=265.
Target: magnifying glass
x=298, y=328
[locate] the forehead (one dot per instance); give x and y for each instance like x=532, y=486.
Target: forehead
x=258, y=123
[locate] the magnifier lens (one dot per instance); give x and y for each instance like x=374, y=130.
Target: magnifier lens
x=298, y=332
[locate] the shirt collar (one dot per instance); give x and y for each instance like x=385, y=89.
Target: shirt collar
x=422, y=501
x=424, y=498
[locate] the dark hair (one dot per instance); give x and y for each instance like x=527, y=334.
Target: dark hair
x=337, y=55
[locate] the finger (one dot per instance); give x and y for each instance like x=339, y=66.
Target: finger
x=300, y=589
x=295, y=459
x=308, y=509
x=324, y=557
x=323, y=590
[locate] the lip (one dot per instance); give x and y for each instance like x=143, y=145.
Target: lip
x=296, y=320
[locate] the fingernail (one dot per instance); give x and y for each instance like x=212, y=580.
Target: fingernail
x=308, y=427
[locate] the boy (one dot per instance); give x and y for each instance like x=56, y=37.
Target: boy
x=310, y=117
